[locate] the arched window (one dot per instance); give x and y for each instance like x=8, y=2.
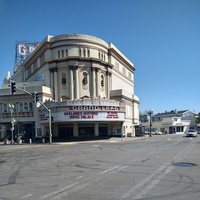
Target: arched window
x=63, y=78
x=85, y=81
x=102, y=80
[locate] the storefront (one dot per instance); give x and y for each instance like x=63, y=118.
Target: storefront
x=84, y=121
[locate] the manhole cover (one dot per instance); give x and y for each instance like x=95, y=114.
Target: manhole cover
x=184, y=164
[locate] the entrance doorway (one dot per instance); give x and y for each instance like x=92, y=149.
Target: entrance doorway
x=103, y=130
x=65, y=132
x=85, y=131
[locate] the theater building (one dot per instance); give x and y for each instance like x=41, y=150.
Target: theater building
x=87, y=83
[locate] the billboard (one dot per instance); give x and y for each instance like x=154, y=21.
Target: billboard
x=23, y=49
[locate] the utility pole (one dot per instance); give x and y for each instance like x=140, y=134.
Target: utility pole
x=49, y=111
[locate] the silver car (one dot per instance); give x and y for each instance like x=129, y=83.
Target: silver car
x=191, y=133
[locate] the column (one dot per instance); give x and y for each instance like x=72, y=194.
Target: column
x=71, y=83
x=96, y=129
x=97, y=82
x=51, y=80
x=93, y=82
x=76, y=91
x=108, y=77
x=75, y=130
x=56, y=84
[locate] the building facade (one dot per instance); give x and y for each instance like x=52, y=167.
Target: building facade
x=87, y=83
x=171, y=121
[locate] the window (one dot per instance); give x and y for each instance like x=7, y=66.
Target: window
x=21, y=107
x=25, y=107
x=42, y=59
x=5, y=108
x=30, y=107
x=63, y=78
x=80, y=52
x=58, y=54
x=35, y=66
x=84, y=53
x=179, y=129
x=66, y=52
x=85, y=81
x=62, y=53
x=102, y=80
x=88, y=51
x=14, y=107
x=29, y=71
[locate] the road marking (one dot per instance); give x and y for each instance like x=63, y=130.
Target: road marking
x=153, y=183
x=109, y=169
x=147, y=184
x=58, y=191
x=26, y=196
x=143, y=182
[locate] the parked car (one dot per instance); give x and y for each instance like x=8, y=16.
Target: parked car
x=191, y=133
x=158, y=133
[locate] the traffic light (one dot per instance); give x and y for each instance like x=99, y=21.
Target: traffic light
x=36, y=97
x=12, y=87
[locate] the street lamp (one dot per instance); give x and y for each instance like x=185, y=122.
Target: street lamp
x=150, y=112
x=11, y=107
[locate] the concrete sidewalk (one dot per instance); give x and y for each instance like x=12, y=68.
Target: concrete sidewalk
x=108, y=140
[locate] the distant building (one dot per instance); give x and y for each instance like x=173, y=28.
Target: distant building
x=173, y=121
x=86, y=82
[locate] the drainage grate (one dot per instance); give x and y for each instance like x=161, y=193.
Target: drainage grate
x=184, y=164
x=2, y=161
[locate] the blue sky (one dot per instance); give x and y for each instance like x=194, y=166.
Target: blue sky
x=161, y=38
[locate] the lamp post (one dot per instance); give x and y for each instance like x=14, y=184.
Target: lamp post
x=150, y=112
x=11, y=107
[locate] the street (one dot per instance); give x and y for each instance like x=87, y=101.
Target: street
x=161, y=167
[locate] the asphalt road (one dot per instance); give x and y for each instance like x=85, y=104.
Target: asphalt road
x=164, y=167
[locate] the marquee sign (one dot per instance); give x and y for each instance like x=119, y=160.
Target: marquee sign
x=84, y=115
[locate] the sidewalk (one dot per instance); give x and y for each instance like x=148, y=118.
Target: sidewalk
x=108, y=140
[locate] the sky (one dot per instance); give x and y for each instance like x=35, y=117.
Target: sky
x=160, y=37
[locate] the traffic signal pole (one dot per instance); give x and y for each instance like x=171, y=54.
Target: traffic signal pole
x=37, y=100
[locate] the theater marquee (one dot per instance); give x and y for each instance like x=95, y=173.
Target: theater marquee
x=83, y=113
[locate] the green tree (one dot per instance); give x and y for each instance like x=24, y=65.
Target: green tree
x=198, y=119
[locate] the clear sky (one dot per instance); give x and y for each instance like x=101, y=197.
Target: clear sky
x=161, y=38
